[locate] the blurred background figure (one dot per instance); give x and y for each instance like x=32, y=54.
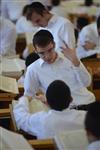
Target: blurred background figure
x=22, y=24
x=92, y=126
x=89, y=40
x=58, y=9
x=12, y=9
x=7, y=37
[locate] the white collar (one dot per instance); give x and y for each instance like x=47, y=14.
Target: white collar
x=59, y=56
x=52, y=20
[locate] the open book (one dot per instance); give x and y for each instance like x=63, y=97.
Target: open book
x=37, y=105
x=8, y=84
x=72, y=140
x=12, y=67
x=12, y=141
x=34, y=106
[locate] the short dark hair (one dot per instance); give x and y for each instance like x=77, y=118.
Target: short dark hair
x=98, y=22
x=31, y=58
x=58, y=95
x=92, y=119
x=42, y=38
x=37, y=7
x=55, y=2
x=88, y=2
x=25, y=10
x=82, y=22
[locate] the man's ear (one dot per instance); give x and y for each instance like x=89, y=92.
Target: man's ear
x=44, y=12
x=71, y=99
x=54, y=44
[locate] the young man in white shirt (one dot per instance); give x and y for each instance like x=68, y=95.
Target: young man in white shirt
x=89, y=40
x=12, y=9
x=92, y=126
x=59, y=118
x=23, y=25
x=61, y=28
x=7, y=37
x=54, y=65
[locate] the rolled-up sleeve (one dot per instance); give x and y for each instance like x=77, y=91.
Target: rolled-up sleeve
x=24, y=119
x=83, y=76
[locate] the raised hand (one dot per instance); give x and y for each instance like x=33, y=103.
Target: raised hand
x=70, y=54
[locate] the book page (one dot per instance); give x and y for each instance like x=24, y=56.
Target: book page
x=72, y=140
x=12, y=141
x=34, y=106
x=8, y=84
x=37, y=105
x=12, y=65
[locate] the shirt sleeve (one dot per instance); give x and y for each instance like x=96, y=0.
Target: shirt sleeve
x=83, y=76
x=67, y=32
x=9, y=41
x=24, y=119
x=4, y=11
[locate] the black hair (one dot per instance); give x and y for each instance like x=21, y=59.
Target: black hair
x=31, y=58
x=55, y=2
x=92, y=119
x=42, y=38
x=98, y=22
x=37, y=7
x=25, y=10
x=58, y=95
x=82, y=22
x=88, y=2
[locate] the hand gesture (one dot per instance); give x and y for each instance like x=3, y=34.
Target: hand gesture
x=70, y=54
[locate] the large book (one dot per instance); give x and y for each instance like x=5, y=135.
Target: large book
x=12, y=141
x=8, y=84
x=12, y=67
x=34, y=106
x=72, y=140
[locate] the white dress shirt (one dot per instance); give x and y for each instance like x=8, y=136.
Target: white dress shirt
x=45, y=124
x=62, y=30
x=88, y=33
x=7, y=37
x=12, y=9
x=41, y=74
x=23, y=25
x=94, y=146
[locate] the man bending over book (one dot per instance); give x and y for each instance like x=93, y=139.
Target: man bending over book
x=59, y=118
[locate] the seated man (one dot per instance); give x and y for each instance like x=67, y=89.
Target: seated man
x=59, y=118
x=89, y=40
x=92, y=126
x=54, y=65
x=7, y=37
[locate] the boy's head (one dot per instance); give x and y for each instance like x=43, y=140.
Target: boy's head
x=55, y=2
x=25, y=10
x=37, y=14
x=44, y=45
x=31, y=58
x=58, y=95
x=92, y=122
